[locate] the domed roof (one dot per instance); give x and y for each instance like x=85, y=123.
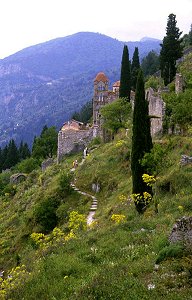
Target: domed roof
x=101, y=77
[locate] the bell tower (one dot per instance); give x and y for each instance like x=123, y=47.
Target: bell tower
x=101, y=85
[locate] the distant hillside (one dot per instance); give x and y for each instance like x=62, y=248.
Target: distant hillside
x=46, y=83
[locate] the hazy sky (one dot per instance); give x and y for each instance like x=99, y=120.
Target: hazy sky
x=28, y=22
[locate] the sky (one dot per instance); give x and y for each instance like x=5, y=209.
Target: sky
x=24, y=23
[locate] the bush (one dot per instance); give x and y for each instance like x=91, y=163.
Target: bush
x=65, y=188
x=173, y=250
x=45, y=214
x=4, y=181
x=154, y=160
x=27, y=165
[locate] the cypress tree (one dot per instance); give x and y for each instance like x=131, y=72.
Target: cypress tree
x=125, y=78
x=135, y=67
x=190, y=36
x=171, y=50
x=141, y=142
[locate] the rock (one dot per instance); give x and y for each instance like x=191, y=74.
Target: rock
x=185, y=160
x=182, y=232
x=46, y=163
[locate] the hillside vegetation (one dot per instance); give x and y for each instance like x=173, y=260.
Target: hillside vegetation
x=116, y=257
x=47, y=250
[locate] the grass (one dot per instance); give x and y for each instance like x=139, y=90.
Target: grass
x=108, y=261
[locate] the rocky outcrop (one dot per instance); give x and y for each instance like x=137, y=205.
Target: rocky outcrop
x=185, y=160
x=182, y=232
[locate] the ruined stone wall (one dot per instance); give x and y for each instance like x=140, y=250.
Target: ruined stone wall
x=72, y=141
x=156, y=110
x=178, y=83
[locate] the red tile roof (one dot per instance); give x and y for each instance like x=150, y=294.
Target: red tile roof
x=117, y=83
x=101, y=77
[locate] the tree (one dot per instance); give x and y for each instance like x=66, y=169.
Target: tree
x=46, y=145
x=135, y=67
x=178, y=111
x=4, y=157
x=85, y=113
x=171, y=50
x=141, y=143
x=12, y=156
x=125, y=78
x=116, y=115
x=24, y=151
x=190, y=36
x=150, y=63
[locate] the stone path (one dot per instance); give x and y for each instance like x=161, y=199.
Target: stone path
x=93, y=208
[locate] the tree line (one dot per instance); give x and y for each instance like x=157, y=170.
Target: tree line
x=43, y=147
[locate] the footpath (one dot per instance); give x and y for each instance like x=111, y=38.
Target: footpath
x=93, y=208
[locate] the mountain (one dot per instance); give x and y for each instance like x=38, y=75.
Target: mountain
x=46, y=83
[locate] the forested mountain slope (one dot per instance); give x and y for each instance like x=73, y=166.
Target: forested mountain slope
x=46, y=83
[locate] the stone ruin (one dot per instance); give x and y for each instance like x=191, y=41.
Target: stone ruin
x=74, y=136
x=17, y=178
x=156, y=110
x=179, y=84
x=182, y=233
x=46, y=163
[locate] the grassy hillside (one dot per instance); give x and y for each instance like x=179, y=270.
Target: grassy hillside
x=116, y=258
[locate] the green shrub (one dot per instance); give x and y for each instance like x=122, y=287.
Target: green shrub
x=173, y=250
x=65, y=188
x=4, y=180
x=45, y=214
x=153, y=160
x=27, y=165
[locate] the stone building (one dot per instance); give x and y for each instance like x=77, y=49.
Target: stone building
x=73, y=137
x=103, y=96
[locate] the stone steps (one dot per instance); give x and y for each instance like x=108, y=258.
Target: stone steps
x=93, y=208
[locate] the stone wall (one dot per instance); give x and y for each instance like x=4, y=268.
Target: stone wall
x=178, y=83
x=72, y=141
x=47, y=163
x=17, y=178
x=156, y=110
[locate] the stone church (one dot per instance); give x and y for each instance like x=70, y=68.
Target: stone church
x=74, y=135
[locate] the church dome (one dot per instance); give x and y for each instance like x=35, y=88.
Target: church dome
x=101, y=77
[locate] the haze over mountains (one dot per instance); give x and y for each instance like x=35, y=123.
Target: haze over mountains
x=46, y=83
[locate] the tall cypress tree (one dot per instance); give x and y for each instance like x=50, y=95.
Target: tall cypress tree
x=135, y=67
x=171, y=50
x=125, y=79
x=141, y=142
x=190, y=36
